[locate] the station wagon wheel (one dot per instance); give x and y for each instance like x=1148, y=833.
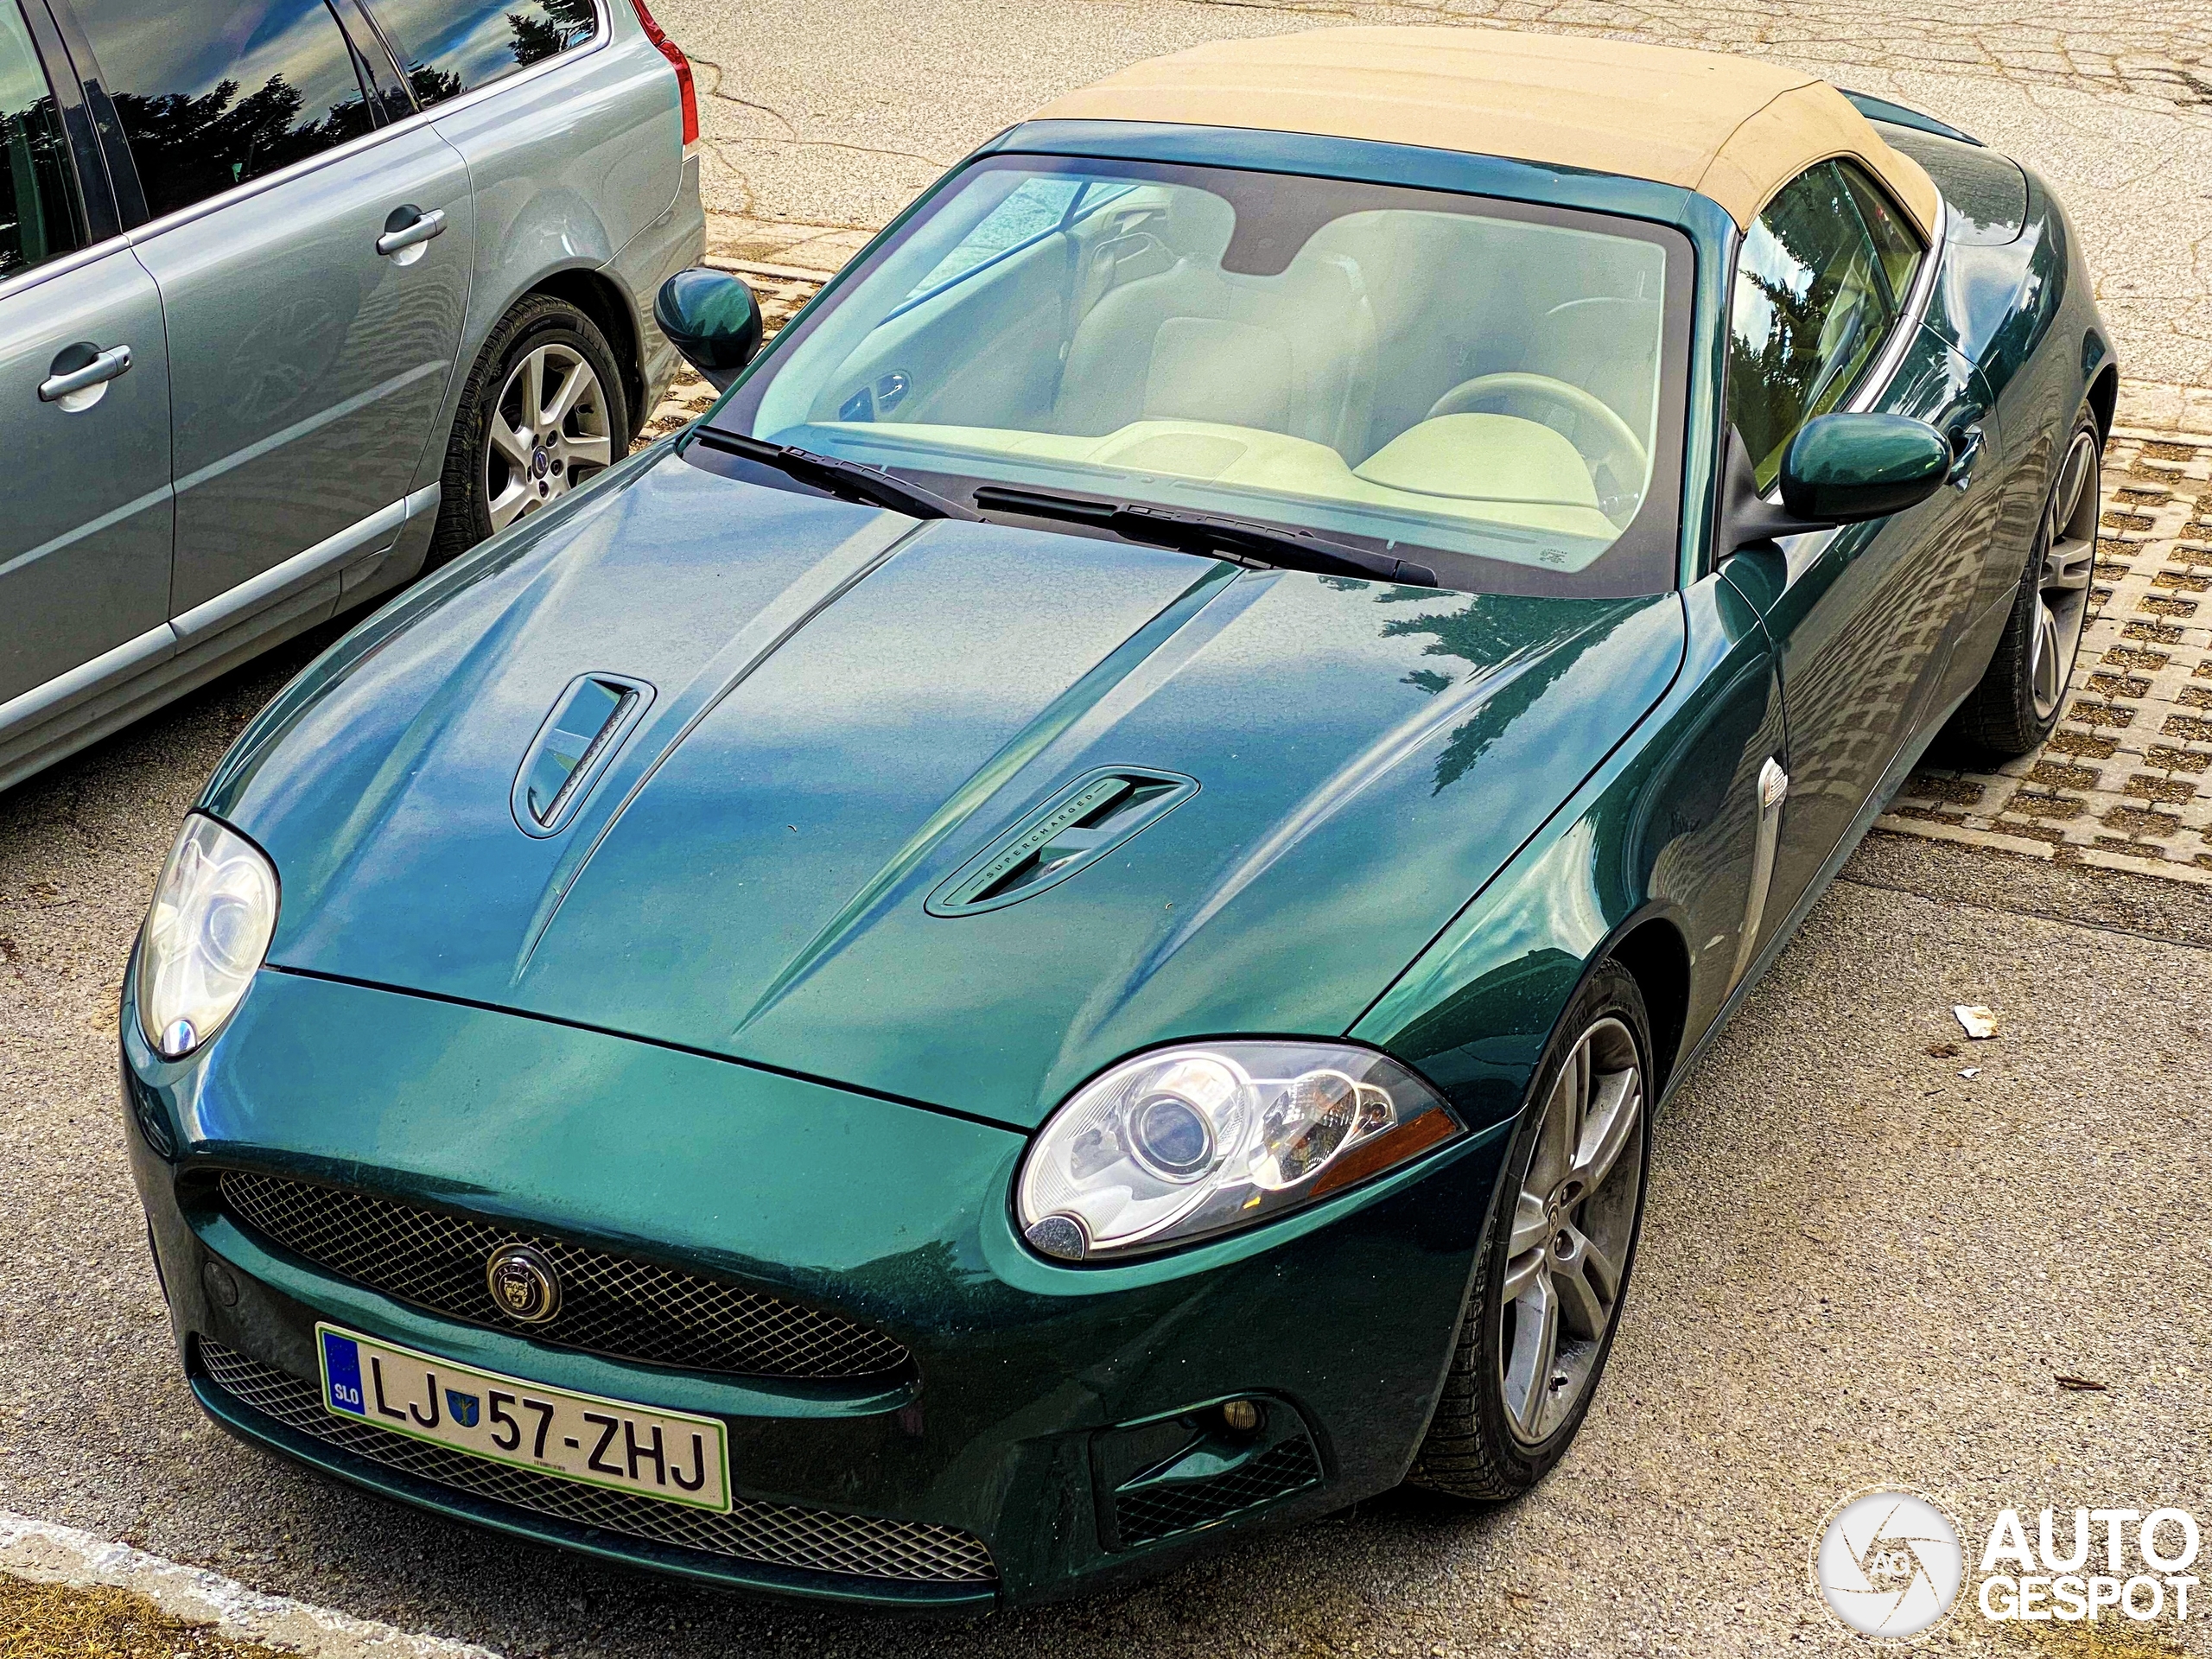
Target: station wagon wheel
x=2017, y=703
x=548, y=432
x=1554, y=1261
x=543, y=409
x=2070, y=539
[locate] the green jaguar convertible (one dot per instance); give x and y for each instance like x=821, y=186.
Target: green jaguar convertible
x=1057, y=932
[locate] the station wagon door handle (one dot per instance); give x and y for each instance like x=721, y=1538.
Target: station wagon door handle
x=102, y=368
x=410, y=232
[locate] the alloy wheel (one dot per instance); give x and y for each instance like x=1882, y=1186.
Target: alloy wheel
x=549, y=432
x=1573, y=1224
x=2069, y=538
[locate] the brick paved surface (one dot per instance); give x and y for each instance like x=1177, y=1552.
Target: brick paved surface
x=2125, y=782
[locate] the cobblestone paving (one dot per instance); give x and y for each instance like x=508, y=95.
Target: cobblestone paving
x=2126, y=781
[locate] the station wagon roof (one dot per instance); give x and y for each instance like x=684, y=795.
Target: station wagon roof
x=1735, y=129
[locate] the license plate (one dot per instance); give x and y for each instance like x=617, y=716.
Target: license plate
x=665, y=1454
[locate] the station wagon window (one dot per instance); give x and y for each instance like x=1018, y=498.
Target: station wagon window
x=1819, y=281
x=214, y=93
x=1493, y=389
x=452, y=47
x=39, y=212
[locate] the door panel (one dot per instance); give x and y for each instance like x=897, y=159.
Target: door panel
x=309, y=367
x=84, y=541
x=1865, y=618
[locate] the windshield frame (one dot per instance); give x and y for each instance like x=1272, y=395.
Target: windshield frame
x=1650, y=555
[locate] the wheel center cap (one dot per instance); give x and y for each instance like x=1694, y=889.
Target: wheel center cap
x=540, y=462
x=1563, y=1197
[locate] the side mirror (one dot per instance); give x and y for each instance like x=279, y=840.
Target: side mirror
x=712, y=318
x=1839, y=469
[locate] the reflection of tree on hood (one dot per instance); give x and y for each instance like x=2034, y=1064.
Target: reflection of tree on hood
x=189, y=148
x=1494, y=635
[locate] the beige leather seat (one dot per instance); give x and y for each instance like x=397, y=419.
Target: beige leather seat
x=1292, y=353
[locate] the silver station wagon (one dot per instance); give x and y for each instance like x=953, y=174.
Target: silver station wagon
x=299, y=298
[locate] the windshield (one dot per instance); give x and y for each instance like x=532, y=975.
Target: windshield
x=1493, y=388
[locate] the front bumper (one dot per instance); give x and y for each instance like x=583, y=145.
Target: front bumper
x=1039, y=1398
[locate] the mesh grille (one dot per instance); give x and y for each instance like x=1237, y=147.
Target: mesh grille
x=1145, y=1515
x=609, y=1304
x=814, y=1541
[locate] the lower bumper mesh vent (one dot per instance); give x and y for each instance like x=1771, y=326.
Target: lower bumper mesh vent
x=1160, y=1511
x=776, y=1534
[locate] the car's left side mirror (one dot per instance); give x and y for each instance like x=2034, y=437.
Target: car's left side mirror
x=1839, y=469
x=713, y=318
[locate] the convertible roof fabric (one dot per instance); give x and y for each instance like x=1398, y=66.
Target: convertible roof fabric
x=1735, y=129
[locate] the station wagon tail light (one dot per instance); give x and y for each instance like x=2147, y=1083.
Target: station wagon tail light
x=1202, y=1139
x=687, y=93
x=214, y=910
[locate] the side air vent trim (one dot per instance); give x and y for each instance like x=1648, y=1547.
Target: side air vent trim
x=589, y=719
x=1079, y=824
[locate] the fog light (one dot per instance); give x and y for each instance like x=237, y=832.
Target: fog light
x=1241, y=1416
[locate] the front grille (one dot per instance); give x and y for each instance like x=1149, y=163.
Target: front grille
x=1160, y=1511
x=778, y=1535
x=610, y=1305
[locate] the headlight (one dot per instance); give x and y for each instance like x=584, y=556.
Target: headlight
x=1204, y=1137
x=214, y=909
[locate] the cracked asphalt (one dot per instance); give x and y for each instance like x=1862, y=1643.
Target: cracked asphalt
x=1860, y=1267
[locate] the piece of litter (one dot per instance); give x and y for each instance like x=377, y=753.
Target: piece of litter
x=1978, y=1022
x=1942, y=1051
x=2080, y=1384
x=1971, y=1071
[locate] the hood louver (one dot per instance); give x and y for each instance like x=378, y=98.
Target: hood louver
x=590, y=720
x=1080, y=824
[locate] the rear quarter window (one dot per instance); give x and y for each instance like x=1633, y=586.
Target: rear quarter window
x=452, y=47
x=214, y=93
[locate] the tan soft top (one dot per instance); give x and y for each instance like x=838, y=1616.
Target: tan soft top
x=1733, y=128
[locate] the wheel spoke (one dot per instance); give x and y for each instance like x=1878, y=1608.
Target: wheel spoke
x=587, y=451
x=576, y=385
x=533, y=388
x=1529, y=1368
x=1586, y=1281
x=1609, y=1127
x=1556, y=1134
x=509, y=504
x=2043, y=668
x=2079, y=466
x=509, y=442
x=2067, y=565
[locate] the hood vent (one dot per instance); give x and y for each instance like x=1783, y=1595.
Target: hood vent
x=590, y=718
x=1080, y=824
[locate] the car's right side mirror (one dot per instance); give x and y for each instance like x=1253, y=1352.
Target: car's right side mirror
x=713, y=318
x=1839, y=469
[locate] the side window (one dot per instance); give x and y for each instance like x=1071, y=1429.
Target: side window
x=214, y=93
x=1815, y=295
x=39, y=214
x=452, y=47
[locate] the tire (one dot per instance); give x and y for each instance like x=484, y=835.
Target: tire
x=486, y=485
x=2016, y=703
x=1502, y=1420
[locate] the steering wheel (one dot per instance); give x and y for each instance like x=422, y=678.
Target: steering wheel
x=1624, y=456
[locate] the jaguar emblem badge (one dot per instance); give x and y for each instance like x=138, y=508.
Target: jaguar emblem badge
x=524, y=1284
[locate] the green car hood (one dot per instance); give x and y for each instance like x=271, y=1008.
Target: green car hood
x=845, y=708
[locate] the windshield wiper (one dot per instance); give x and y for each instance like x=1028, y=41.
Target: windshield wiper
x=849, y=480
x=1241, y=540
